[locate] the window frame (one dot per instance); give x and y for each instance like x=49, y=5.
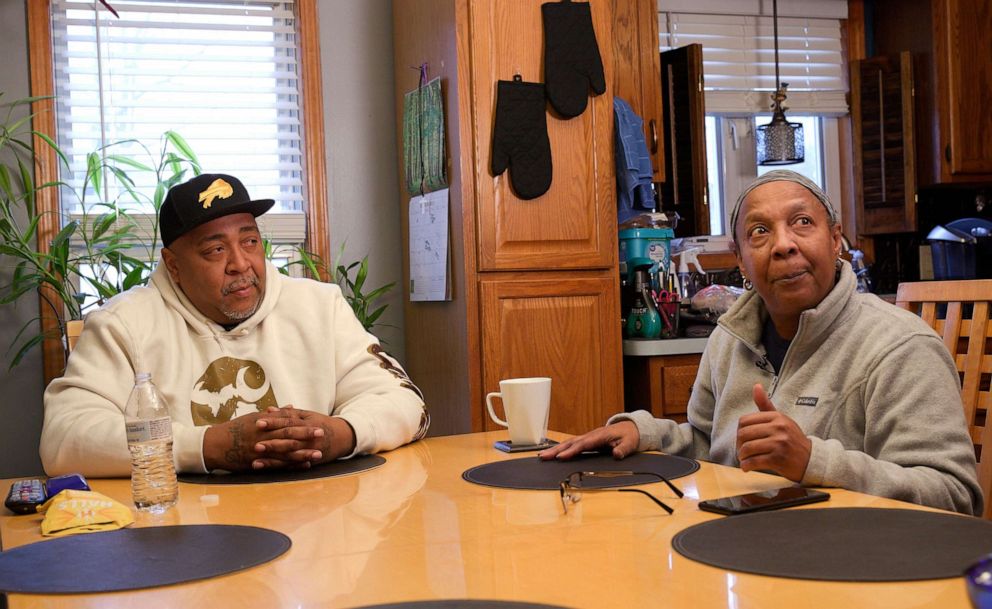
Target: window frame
x=739, y=166
x=46, y=168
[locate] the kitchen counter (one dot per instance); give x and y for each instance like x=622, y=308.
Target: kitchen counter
x=670, y=346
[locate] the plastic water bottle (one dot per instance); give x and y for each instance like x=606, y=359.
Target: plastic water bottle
x=149, y=439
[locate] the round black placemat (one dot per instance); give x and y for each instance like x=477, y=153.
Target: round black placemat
x=324, y=470
x=533, y=473
x=461, y=603
x=843, y=544
x=128, y=559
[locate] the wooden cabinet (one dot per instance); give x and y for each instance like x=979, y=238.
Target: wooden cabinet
x=884, y=151
x=951, y=47
x=660, y=383
x=637, y=70
x=573, y=225
x=683, y=106
x=963, y=57
x=563, y=326
x=534, y=283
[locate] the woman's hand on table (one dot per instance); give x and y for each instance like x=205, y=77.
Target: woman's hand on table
x=621, y=439
x=771, y=441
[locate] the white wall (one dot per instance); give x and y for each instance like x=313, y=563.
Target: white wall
x=20, y=389
x=356, y=48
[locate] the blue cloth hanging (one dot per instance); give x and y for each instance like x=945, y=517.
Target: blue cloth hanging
x=634, y=193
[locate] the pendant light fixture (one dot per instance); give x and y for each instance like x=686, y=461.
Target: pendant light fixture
x=779, y=142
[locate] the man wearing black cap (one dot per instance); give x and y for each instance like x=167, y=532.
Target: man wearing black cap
x=259, y=370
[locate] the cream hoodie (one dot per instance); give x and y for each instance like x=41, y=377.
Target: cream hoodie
x=303, y=347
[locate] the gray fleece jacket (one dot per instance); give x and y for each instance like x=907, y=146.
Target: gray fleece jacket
x=871, y=385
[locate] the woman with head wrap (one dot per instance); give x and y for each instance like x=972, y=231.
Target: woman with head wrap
x=809, y=379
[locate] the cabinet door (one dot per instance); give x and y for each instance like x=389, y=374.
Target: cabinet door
x=685, y=139
x=964, y=71
x=661, y=384
x=573, y=225
x=884, y=144
x=567, y=328
x=637, y=76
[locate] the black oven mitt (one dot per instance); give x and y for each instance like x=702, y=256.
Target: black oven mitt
x=520, y=137
x=571, y=57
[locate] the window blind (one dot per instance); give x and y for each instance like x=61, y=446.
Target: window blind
x=223, y=74
x=739, y=60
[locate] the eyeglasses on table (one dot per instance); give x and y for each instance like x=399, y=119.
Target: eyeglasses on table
x=571, y=488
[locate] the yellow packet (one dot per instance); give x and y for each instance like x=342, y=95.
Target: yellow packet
x=72, y=511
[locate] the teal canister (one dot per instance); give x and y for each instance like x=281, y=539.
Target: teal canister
x=650, y=246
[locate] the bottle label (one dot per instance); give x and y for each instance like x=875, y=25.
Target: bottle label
x=149, y=430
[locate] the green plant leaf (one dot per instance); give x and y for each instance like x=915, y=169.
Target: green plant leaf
x=24, y=101
x=101, y=225
x=104, y=289
x=16, y=125
x=121, y=175
x=130, y=162
x=51, y=143
x=5, y=182
x=32, y=228
x=62, y=238
x=27, y=186
x=9, y=250
x=134, y=277
x=181, y=145
x=370, y=320
x=159, y=196
x=106, y=237
x=380, y=291
x=27, y=346
x=311, y=267
x=363, y=273
x=23, y=351
x=93, y=166
x=17, y=289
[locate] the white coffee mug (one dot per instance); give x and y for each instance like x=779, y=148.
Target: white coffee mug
x=527, y=403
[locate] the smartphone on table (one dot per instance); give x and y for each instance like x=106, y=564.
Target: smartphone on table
x=764, y=500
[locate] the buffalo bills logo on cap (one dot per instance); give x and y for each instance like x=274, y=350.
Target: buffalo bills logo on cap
x=217, y=189
x=195, y=202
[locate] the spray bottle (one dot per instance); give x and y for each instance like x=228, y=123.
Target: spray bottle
x=687, y=287
x=860, y=270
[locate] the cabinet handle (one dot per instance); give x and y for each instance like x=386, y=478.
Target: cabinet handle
x=653, y=125
x=947, y=153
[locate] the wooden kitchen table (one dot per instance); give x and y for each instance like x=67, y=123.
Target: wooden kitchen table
x=414, y=529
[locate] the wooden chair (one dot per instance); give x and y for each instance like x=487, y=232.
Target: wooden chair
x=73, y=328
x=959, y=312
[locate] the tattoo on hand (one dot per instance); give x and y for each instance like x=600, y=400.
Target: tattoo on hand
x=235, y=455
x=325, y=447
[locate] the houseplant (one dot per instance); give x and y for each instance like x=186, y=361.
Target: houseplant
x=102, y=249
x=340, y=272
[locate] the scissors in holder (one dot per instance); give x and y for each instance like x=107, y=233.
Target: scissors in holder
x=666, y=296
